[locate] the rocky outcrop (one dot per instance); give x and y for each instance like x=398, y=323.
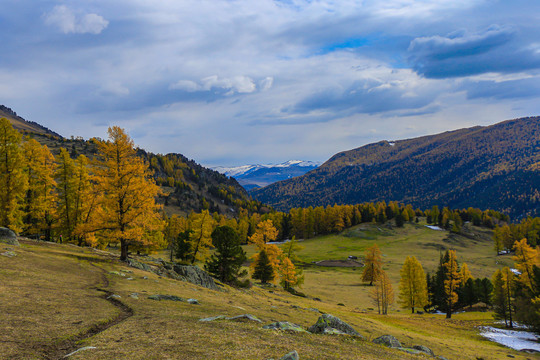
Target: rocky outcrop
x=291, y=356
x=424, y=349
x=388, y=340
x=284, y=326
x=8, y=237
x=329, y=324
x=195, y=275
x=166, y=297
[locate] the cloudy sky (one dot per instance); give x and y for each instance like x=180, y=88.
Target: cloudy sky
x=232, y=82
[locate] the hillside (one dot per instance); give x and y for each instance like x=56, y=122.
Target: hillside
x=255, y=176
x=495, y=167
x=187, y=186
x=74, y=309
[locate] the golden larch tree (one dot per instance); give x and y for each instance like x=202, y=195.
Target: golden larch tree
x=266, y=232
x=383, y=293
x=13, y=179
x=372, y=264
x=526, y=257
x=201, y=238
x=413, y=284
x=40, y=200
x=129, y=192
x=451, y=283
x=465, y=273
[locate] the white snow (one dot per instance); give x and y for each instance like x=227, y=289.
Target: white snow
x=515, y=339
x=245, y=169
x=432, y=227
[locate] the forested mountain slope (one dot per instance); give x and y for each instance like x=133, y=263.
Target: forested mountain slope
x=495, y=167
x=186, y=185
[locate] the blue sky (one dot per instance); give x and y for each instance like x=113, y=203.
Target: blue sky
x=232, y=82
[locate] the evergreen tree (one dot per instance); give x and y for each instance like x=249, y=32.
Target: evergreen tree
x=263, y=270
x=412, y=286
x=182, y=246
x=226, y=262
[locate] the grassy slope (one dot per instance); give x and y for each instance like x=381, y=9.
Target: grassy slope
x=48, y=293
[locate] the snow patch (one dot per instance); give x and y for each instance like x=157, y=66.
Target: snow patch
x=432, y=227
x=235, y=171
x=515, y=339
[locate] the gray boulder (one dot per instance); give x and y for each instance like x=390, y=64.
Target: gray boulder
x=138, y=265
x=424, y=349
x=166, y=297
x=195, y=275
x=245, y=317
x=327, y=324
x=214, y=318
x=9, y=254
x=8, y=237
x=291, y=356
x=285, y=326
x=388, y=340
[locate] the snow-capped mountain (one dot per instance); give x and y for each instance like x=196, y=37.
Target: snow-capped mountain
x=253, y=176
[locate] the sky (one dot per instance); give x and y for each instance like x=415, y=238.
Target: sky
x=234, y=82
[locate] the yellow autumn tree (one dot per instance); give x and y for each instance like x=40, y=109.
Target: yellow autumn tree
x=526, y=257
x=265, y=233
x=383, y=293
x=201, y=237
x=465, y=273
x=451, y=283
x=413, y=285
x=372, y=264
x=129, y=210
x=12, y=177
x=40, y=200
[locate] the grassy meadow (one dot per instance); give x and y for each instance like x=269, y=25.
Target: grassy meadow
x=52, y=296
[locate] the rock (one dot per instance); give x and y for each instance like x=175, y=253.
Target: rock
x=114, y=296
x=9, y=254
x=117, y=273
x=213, y=318
x=314, y=310
x=387, y=340
x=138, y=265
x=166, y=297
x=410, y=350
x=8, y=237
x=134, y=296
x=438, y=357
x=193, y=301
x=327, y=321
x=195, y=275
x=245, y=317
x=290, y=356
x=285, y=326
x=424, y=349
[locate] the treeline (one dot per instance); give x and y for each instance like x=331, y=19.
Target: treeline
x=506, y=235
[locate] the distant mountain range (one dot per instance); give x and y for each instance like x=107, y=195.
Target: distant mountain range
x=255, y=176
x=493, y=167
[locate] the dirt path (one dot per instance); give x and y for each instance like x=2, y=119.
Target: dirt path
x=59, y=349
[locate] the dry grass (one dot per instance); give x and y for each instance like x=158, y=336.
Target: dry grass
x=47, y=294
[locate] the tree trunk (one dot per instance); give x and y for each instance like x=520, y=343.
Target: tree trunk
x=123, y=249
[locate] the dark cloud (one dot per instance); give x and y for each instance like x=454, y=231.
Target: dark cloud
x=368, y=97
x=497, y=49
x=502, y=90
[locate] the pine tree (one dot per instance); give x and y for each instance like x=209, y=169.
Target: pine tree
x=451, y=283
x=499, y=297
x=13, y=180
x=263, y=270
x=412, y=286
x=372, y=264
x=227, y=260
x=129, y=207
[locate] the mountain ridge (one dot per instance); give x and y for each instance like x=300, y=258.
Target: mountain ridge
x=458, y=168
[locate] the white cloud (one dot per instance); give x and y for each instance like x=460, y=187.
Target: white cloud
x=67, y=21
x=266, y=83
x=237, y=84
